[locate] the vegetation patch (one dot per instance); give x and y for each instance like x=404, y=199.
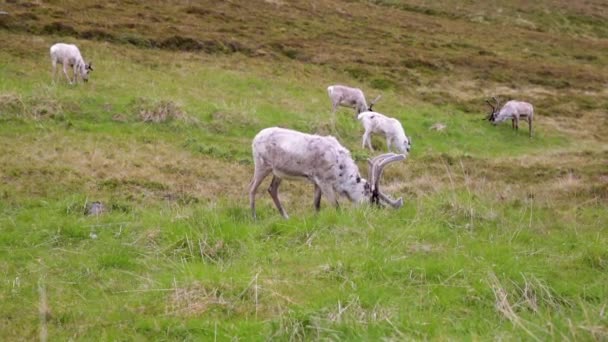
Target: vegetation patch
x=98, y=34
x=181, y=43
x=291, y=51
x=202, y=249
x=159, y=111
x=225, y=121
x=117, y=259
x=134, y=186
x=199, y=11
x=530, y=294
x=195, y=300
x=16, y=106
x=382, y=83
x=59, y=28
x=596, y=259
x=209, y=46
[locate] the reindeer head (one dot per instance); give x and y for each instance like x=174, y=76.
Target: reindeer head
x=407, y=145
x=361, y=191
x=371, y=104
x=85, y=69
x=356, y=189
x=495, y=109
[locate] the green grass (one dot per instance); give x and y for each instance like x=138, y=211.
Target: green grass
x=422, y=271
x=501, y=236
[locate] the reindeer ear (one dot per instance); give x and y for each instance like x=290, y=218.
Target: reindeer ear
x=90, y=66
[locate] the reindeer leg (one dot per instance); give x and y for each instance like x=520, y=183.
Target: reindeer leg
x=258, y=176
x=513, y=123
x=54, y=72
x=76, y=73
x=530, y=126
x=65, y=72
x=330, y=194
x=334, y=106
x=273, y=190
x=516, y=123
x=365, y=138
x=388, y=143
x=317, y=200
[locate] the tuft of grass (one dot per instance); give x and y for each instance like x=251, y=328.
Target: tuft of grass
x=17, y=107
x=160, y=111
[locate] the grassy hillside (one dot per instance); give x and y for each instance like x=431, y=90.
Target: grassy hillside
x=501, y=236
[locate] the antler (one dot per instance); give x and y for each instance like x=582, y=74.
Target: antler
x=494, y=107
x=492, y=112
x=489, y=104
x=376, y=166
x=371, y=104
x=393, y=203
x=497, y=102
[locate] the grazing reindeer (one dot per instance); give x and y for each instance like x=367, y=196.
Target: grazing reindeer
x=349, y=97
x=374, y=122
x=69, y=55
x=513, y=110
x=321, y=160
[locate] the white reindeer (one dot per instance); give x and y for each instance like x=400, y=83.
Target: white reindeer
x=514, y=110
x=349, y=97
x=374, y=122
x=321, y=160
x=69, y=55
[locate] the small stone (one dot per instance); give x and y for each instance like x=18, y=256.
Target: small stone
x=95, y=208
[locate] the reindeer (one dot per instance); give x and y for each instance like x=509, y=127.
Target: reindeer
x=69, y=55
x=349, y=97
x=319, y=159
x=513, y=110
x=374, y=122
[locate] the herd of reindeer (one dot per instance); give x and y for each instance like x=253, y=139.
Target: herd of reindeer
x=321, y=159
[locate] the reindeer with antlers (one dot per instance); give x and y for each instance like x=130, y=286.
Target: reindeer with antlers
x=320, y=159
x=514, y=110
x=349, y=97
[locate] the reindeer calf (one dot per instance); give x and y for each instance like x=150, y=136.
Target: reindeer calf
x=69, y=55
x=374, y=122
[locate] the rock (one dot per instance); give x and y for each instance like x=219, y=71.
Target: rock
x=95, y=208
